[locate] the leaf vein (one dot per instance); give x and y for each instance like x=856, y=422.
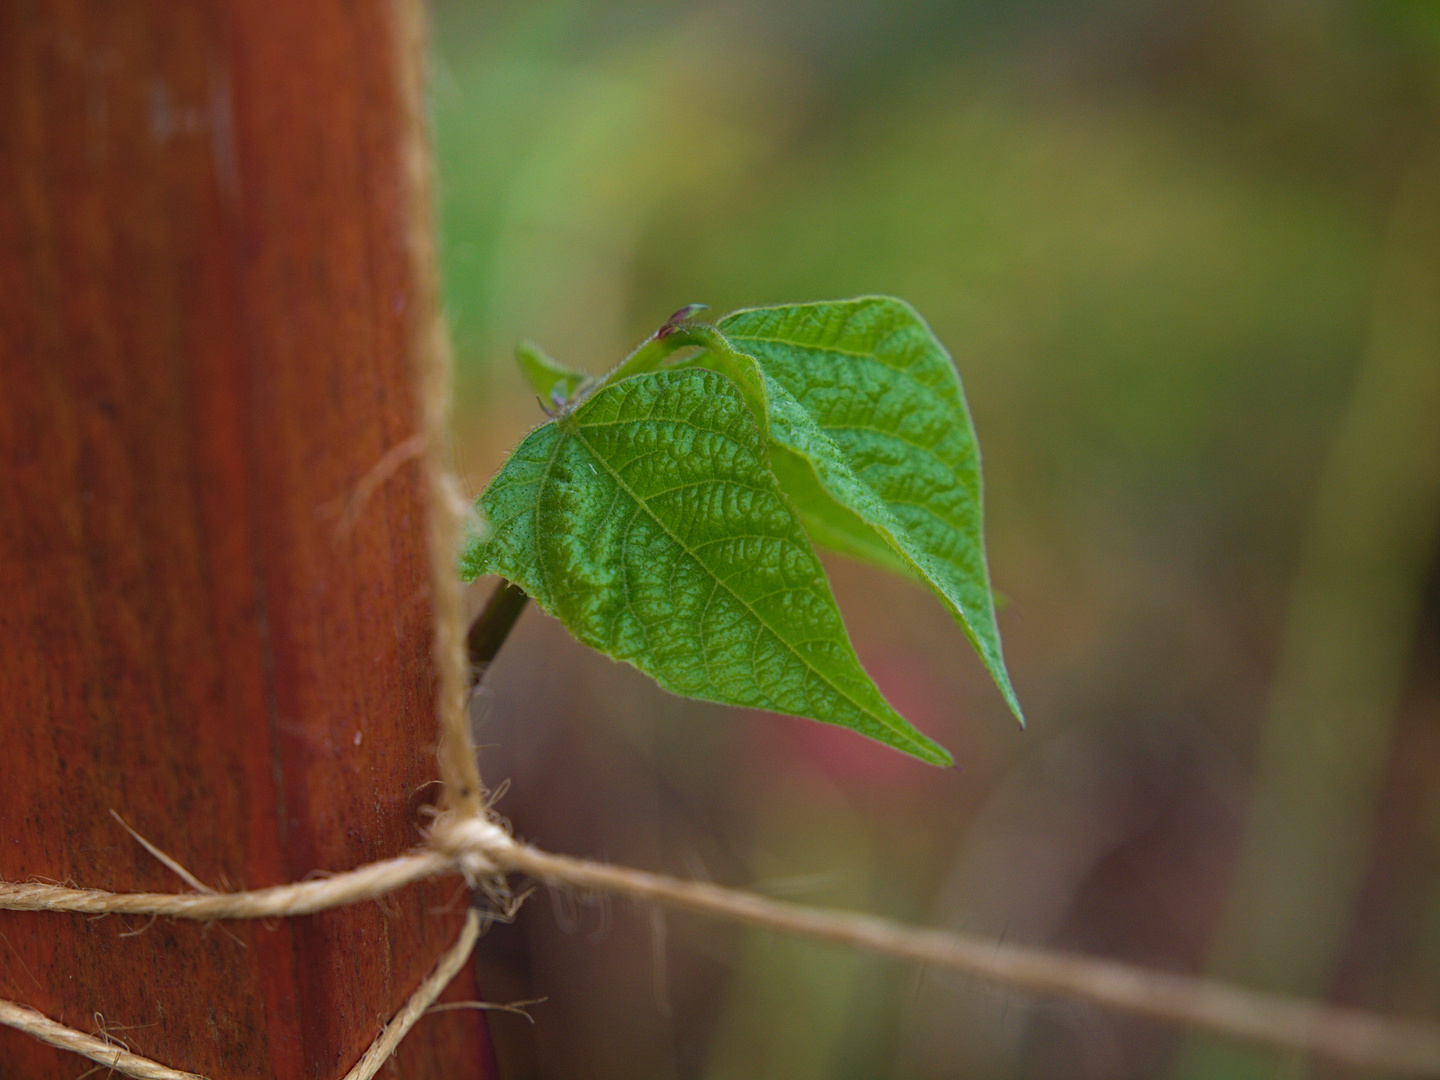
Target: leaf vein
x=739, y=599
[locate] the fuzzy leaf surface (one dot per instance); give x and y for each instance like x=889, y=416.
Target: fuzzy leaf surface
x=871, y=438
x=649, y=522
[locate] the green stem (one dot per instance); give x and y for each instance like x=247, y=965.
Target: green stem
x=649, y=355
x=491, y=627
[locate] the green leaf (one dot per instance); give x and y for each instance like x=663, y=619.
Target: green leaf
x=552, y=381
x=872, y=440
x=648, y=521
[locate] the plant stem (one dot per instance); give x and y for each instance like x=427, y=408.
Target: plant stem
x=492, y=626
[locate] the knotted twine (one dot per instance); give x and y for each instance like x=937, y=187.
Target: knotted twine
x=481, y=849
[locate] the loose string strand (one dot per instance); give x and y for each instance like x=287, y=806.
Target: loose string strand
x=462, y=790
x=367, y=882
x=1350, y=1036
x=118, y=1059
x=480, y=849
x=449, y=966
x=40, y=1026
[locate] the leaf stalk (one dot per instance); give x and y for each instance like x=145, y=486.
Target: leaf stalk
x=492, y=626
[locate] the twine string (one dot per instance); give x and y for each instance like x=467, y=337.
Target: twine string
x=420, y=1001
x=39, y=1026
x=121, y=1060
x=481, y=851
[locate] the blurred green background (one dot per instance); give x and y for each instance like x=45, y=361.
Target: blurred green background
x=1187, y=258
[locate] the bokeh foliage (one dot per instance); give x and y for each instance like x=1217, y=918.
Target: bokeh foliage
x=1153, y=236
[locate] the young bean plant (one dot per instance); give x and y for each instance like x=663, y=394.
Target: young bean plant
x=668, y=513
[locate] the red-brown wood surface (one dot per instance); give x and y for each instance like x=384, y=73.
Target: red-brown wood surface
x=207, y=317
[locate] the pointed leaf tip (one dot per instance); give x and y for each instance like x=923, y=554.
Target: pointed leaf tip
x=650, y=524
x=872, y=440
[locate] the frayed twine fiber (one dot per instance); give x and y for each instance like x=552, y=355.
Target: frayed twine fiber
x=121, y=1060
x=482, y=850
x=462, y=790
x=304, y=898
x=458, y=844
x=449, y=966
x=41, y=1027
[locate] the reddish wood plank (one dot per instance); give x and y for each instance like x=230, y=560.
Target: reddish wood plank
x=206, y=317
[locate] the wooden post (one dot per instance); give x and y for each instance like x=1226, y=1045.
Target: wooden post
x=210, y=315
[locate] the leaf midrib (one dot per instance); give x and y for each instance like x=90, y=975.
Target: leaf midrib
x=539, y=490
x=811, y=347
x=906, y=370
x=889, y=501
x=639, y=502
x=896, y=542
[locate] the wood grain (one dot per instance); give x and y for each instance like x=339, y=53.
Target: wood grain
x=207, y=324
